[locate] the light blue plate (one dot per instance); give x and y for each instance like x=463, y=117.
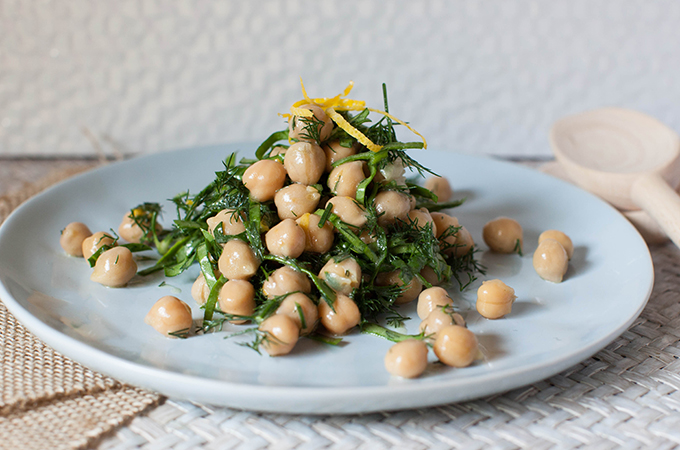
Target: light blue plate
x=551, y=327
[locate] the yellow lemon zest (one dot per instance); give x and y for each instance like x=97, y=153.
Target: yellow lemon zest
x=338, y=103
x=304, y=112
x=401, y=122
x=303, y=221
x=304, y=91
x=356, y=134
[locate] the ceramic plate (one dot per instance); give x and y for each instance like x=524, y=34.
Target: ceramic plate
x=551, y=327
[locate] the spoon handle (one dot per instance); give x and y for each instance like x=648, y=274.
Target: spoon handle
x=651, y=193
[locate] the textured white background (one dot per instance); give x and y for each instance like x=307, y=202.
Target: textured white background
x=472, y=76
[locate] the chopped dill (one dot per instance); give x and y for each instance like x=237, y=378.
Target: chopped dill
x=518, y=248
x=181, y=334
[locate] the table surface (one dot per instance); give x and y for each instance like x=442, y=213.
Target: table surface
x=626, y=395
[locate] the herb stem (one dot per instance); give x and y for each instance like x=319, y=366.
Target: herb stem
x=390, y=335
x=212, y=298
x=326, y=292
x=324, y=339
x=160, y=264
x=206, y=266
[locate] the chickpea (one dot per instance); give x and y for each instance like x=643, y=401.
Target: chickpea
x=411, y=289
x=421, y=218
x=447, y=231
x=232, y=223
x=407, y=359
x=368, y=238
x=295, y=200
x=551, y=260
x=349, y=211
x=503, y=235
x=412, y=201
x=318, y=240
x=391, y=205
x=432, y=299
x=438, y=319
x=345, y=179
x=495, y=299
x=282, y=333
x=298, y=307
x=130, y=230
x=285, y=280
x=297, y=124
x=430, y=275
x=343, y=277
x=264, y=178
x=464, y=242
x=305, y=163
x=440, y=187
x=456, y=346
x=114, y=267
x=286, y=239
x=238, y=261
x=200, y=290
x=561, y=238
x=72, y=238
x=345, y=316
x=237, y=297
x=93, y=243
x=170, y=315
x=335, y=152
x=279, y=150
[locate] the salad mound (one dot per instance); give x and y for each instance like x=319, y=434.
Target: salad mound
x=326, y=229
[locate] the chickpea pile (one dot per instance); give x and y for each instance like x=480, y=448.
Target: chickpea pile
x=321, y=234
x=115, y=265
x=313, y=191
x=443, y=329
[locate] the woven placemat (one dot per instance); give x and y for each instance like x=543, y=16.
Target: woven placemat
x=48, y=401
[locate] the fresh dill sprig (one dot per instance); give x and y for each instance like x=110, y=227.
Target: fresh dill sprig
x=385, y=333
x=181, y=334
x=518, y=248
x=311, y=127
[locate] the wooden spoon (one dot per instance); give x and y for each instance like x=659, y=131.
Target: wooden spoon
x=628, y=158
x=648, y=228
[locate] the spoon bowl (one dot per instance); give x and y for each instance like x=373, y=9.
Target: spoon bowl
x=626, y=157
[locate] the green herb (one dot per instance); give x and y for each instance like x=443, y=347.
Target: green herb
x=270, y=142
x=518, y=248
x=303, y=322
x=311, y=127
x=390, y=335
x=182, y=334
x=209, y=306
x=324, y=339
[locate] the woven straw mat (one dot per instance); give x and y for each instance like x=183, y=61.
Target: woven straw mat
x=49, y=401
